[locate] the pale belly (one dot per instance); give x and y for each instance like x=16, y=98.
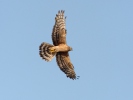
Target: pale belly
x=62, y=48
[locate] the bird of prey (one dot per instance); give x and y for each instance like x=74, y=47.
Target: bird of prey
x=59, y=48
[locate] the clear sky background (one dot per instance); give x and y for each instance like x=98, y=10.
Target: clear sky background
x=100, y=32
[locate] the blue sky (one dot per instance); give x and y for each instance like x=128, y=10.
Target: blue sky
x=100, y=32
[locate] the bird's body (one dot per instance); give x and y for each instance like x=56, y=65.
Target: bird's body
x=59, y=47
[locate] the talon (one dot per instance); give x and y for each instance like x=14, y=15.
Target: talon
x=52, y=50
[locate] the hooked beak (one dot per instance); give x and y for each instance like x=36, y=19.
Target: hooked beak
x=71, y=49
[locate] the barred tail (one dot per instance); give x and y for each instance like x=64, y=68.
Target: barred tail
x=45, y=53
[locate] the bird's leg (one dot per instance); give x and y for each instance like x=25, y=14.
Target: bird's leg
x=52, y=50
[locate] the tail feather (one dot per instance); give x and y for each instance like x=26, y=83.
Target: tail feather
x=44, y=51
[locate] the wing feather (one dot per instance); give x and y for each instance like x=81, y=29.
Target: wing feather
x=65, y=64
x=59, y=30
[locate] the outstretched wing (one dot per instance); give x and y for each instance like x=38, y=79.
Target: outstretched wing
x=65, y=64
x=59, y=30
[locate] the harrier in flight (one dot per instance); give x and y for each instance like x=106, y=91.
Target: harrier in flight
x=59, y=48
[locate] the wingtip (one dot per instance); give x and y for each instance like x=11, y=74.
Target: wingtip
x=61, y=11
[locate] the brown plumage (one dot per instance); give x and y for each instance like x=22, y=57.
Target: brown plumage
x=59, y=47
